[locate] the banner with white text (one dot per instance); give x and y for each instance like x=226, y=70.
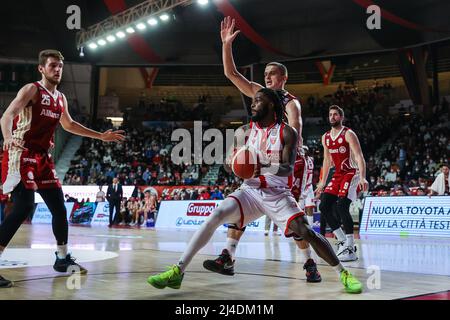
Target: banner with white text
x=406, y=216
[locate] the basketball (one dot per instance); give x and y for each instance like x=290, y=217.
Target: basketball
x=244, y=163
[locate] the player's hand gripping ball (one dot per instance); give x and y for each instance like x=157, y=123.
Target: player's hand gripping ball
x=245, y=163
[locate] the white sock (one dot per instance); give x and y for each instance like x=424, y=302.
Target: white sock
x=62, y=251
x=306, y=253
x=340, y=235
x=310, y=220
x=338, y=268
x=350, y=242
x=231, y=246
x=228, y=212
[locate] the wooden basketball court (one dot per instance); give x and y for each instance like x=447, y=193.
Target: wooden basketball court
x=119, y=261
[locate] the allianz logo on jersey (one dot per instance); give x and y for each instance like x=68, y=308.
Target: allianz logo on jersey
x=50, y=114
x=340, y=150
x=188, y=222
x=201, y=209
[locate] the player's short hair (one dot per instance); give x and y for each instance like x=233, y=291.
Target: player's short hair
x=280, y=66
x=45, y=54
x=336, y=107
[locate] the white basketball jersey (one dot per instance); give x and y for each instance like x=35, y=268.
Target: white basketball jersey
x=309, y=171
x=269, y=143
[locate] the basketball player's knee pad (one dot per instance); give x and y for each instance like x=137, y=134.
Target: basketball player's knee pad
x=235, y=227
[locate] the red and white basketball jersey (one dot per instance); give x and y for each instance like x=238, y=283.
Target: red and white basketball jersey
x=340, y=152
x=269, y=142
x=37, y=122
x=309, y=170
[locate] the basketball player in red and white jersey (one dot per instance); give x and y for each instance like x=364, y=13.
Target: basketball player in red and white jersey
x=341, y=146
x=275, y=76
x=266, y=193
x=307, y=197
x=28, y=126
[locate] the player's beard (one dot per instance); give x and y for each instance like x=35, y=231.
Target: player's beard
x=335, y=124
x=52, y=81
x=260, y=115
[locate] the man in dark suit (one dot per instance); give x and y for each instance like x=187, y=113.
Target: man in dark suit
x=114, y=196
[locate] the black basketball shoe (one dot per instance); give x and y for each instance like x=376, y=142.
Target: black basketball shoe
x=312, y=274
x=68, y=264
x=5, y=283
x=223, y=264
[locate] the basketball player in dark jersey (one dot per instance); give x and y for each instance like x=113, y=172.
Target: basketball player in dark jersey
x=28, y=126
x=275, y=77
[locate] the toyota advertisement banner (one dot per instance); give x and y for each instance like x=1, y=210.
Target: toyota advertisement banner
x=192, y=214
x=407, y=216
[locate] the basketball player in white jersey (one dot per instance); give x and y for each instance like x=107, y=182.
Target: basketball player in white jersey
x=267, y=192
x=275, y=77
x=307, y=198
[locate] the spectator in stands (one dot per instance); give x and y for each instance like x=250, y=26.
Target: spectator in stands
x=441, y=184
x=100, y=197
x=204, y=195
x=70, y=198
x=149, y=207
x=189, y=181
x=194, y=195
x=124, y=213
x=133, y=210
x=137, y=193
x=420, y=192
x=217, y=194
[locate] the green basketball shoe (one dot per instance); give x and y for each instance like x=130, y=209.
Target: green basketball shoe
x=351, y=284
x=171, y=278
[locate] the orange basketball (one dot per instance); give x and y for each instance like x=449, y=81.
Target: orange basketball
x=244, y=163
